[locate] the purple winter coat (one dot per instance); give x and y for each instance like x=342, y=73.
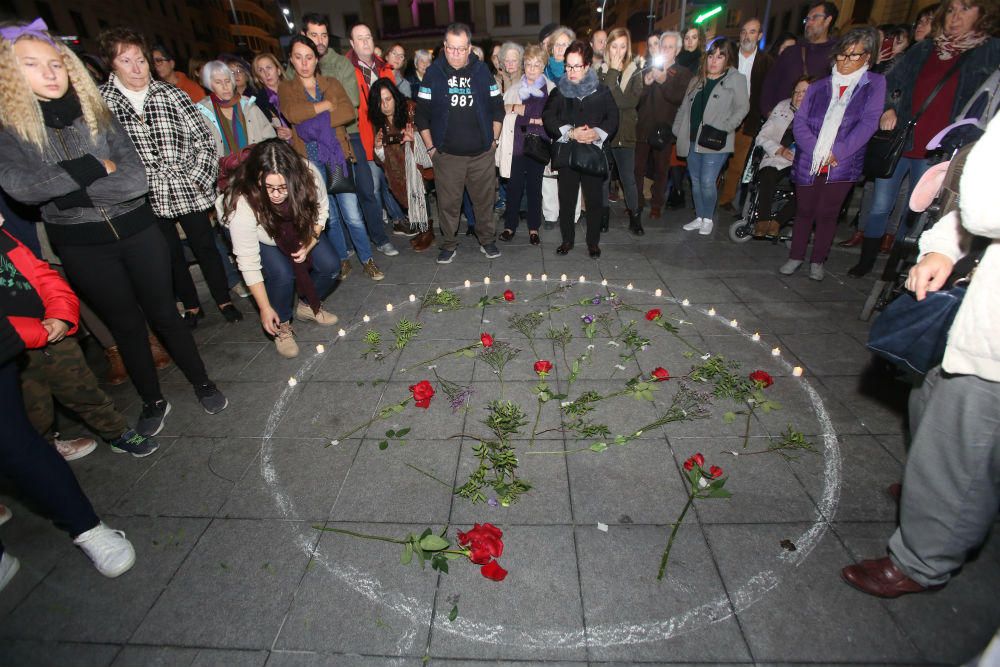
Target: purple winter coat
x=859, y=124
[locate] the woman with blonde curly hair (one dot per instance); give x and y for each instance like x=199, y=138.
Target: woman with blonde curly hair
x=62, y=149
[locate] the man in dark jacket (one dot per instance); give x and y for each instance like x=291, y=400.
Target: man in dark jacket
x=459, y=115
x=811, y=56
x=754, y=64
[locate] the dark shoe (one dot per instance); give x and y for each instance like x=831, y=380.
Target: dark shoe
x=490, y=250
x=654, y=213
x=422, y=241
x=880, y=577
x=470, y=231
x=403, y=228
x=594, y=251
x=869, y=255
x=151, y=418
x=564, y=248
x=160, y=357
x=855, y=240
x=192, y=317
x=507, y=235
x=445, y=256
x=887, y=242
x=116, y=366
x=605, y=219
x=211, y=398
x=635, y=223
x=132, y=443
x=675, y=199
x=534, y=238
x=231, y=313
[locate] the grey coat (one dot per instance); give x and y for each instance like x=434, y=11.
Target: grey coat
x=726, y=108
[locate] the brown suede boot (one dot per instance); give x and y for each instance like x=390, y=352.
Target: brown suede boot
x=116, y=367
x=422, y=241
x=160, y=357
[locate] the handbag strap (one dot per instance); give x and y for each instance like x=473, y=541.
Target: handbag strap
x=805, y=68
x=938, y=87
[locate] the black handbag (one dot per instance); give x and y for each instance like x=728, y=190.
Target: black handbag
x=660, y=137
x=537, y=148
x=712, y=138
x=584, y=158
x=339, y=180
x=886, y=147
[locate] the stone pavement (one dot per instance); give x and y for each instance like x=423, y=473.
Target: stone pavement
x=232, y=571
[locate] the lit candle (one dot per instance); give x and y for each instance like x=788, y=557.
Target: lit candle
x=366, y=319
x=733, y=323
x=776, y=352
x=756, y=337
x=685, y=302
x=545, y=277
x=629, y=286
x=413, y=297
x=292, y=382
x=506, y=278
x=711, y=312
x=320, y=349
x=562, y=277
x=438, y=290
x=658, y=292
x=527, y=277
x=582, y=279
x=388, y=307
x=486, y=280
x=468, y=283
x=604, y=282
x=797, y=371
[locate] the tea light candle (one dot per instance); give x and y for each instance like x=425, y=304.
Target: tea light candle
x=582, y=279
x=527, y=277
x=658, y=292
x=320, y=349
x=366, y=319
x=629, y=286
x=438, y=290
x=685, y=302
x=604, y=282
x=562, y=277
x=413, y=297
x=468, y=283
x=545, y=277
x=486, y=280
x=506, y=278
x=775, y=352
x=755, y=337
x=797, y=371
x=388, y=307
x=733, y=323
x=711, y=312
x=292, y=382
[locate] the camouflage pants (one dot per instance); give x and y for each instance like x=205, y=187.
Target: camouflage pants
x=59, y=371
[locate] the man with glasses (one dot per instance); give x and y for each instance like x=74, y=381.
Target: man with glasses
x=459, y=115
x=811, y=56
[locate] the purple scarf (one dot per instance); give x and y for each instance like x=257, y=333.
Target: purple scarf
x=317, y=129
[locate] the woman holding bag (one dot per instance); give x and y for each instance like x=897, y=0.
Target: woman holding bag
x=714, y=106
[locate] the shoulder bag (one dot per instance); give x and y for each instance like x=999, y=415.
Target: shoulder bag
x=536, y=147
x=584, y=158
x=339, y=179
x=887, y=146
x=710, y=137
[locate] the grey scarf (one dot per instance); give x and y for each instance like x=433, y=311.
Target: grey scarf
x=586, y=86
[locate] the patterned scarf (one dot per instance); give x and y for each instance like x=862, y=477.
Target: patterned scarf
x=948, y=47
x=234, y=133
x=531, y=89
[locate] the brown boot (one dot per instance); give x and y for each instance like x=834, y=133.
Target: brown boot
x=422, y=241
x=763, y=228
x=160, y=357
x=855, y=240
x=116, y=367
x=887, y=242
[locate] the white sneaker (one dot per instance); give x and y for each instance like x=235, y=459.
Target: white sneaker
x=816, y=271
x=8, y=568
x=706, y=227
x=109, y=549
x=74, y=449
x=693, y=225
x=790, y=267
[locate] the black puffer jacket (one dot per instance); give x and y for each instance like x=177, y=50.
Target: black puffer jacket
x=586, y=103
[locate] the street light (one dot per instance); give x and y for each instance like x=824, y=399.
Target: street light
x=286, y=11
x=600, y=10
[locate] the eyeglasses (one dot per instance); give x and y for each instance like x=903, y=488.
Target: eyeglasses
x=276, y=189
x=814, y=17
x=397, y=54
x=456, y=49
x=853, y=57
x=575, y=68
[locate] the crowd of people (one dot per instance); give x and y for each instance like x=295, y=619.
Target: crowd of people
x=280, y=172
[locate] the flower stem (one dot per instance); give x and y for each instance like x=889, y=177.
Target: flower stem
x=378, y=415
x=564, y=452
x=441, y=356
x=673, y=534
x=746, y=432
x=538, y=414
x=427, y=474
x=365, y=536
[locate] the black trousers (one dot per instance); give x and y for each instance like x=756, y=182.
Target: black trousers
x=200, y=236
x=525, y=175
x=768, y=178
x=127, y=283
x=570, y=182
x=40, y=473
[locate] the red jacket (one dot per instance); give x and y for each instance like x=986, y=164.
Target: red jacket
x=364, y=124
x=57, y=296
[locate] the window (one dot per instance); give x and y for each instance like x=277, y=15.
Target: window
x=425, y=15
x=78, y=23
x=390, y=19
x=532, y=14
x=501, y=16
x=463, y=11
x=45, y=13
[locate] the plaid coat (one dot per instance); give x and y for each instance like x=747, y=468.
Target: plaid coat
x=175, y=145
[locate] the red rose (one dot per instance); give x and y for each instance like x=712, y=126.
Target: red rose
x=661, y=374
x=761, y=378
x=423, y=391
x=483, y=543
x=699, y=459
x=714, y=472
x=543, y=367
x=689, y=464
x=486, y=340
x=508, y=296
x=492, y=570
x=653, y=314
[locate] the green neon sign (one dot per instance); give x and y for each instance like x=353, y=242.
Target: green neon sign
x=701, y=18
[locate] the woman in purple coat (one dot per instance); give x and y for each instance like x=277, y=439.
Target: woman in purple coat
x=838, y=116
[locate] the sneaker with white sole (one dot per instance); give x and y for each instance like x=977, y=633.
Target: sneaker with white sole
x=110, y=551
x=212, y=400
x=372, y=271
x=304, y=312
x=445, y=256
x=75, y=448
x=790, y=267
x=816, y=272
x=132, y=443
x=490, y=250
x=387, y=249
x=706, y=227
x=693, y=225
x=284, y=341
x=151, y=418
x=8, y=568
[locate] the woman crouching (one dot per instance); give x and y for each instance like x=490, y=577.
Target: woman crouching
x=276, y=209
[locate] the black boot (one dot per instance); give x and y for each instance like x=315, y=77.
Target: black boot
x=635, y=223
x=605, y=219
x=675, y=199
x=869, y=254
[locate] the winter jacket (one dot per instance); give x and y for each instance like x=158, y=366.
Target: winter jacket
x=94, y=210
x=247, y=235
x=383, y=69
x=727, y=105
x=336, y=66
x=762, y=64
x=974, y=340
x=512, y=123
x=575, y=105
x=859, y=124
x=259, y=128
x=176, y=148
x=626, y=87
x=297, y=108
x=433, y=101
x=787, y=69
x=978, y=65
x=192, y=88
x=58, y=300
x=770, y=136
x=659, y=102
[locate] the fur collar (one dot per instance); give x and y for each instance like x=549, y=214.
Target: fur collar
x=587, y=85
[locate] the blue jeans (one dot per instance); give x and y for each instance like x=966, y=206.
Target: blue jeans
x=345, y=210
x=233, y=276
x=371, y=206
x=704, y=169
x=279, y=280
x=886, y=190
x=392, y=207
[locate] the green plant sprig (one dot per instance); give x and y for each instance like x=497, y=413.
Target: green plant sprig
x=445, y=300
x=405, y=331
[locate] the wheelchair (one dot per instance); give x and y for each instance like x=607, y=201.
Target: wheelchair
x=741, y=230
